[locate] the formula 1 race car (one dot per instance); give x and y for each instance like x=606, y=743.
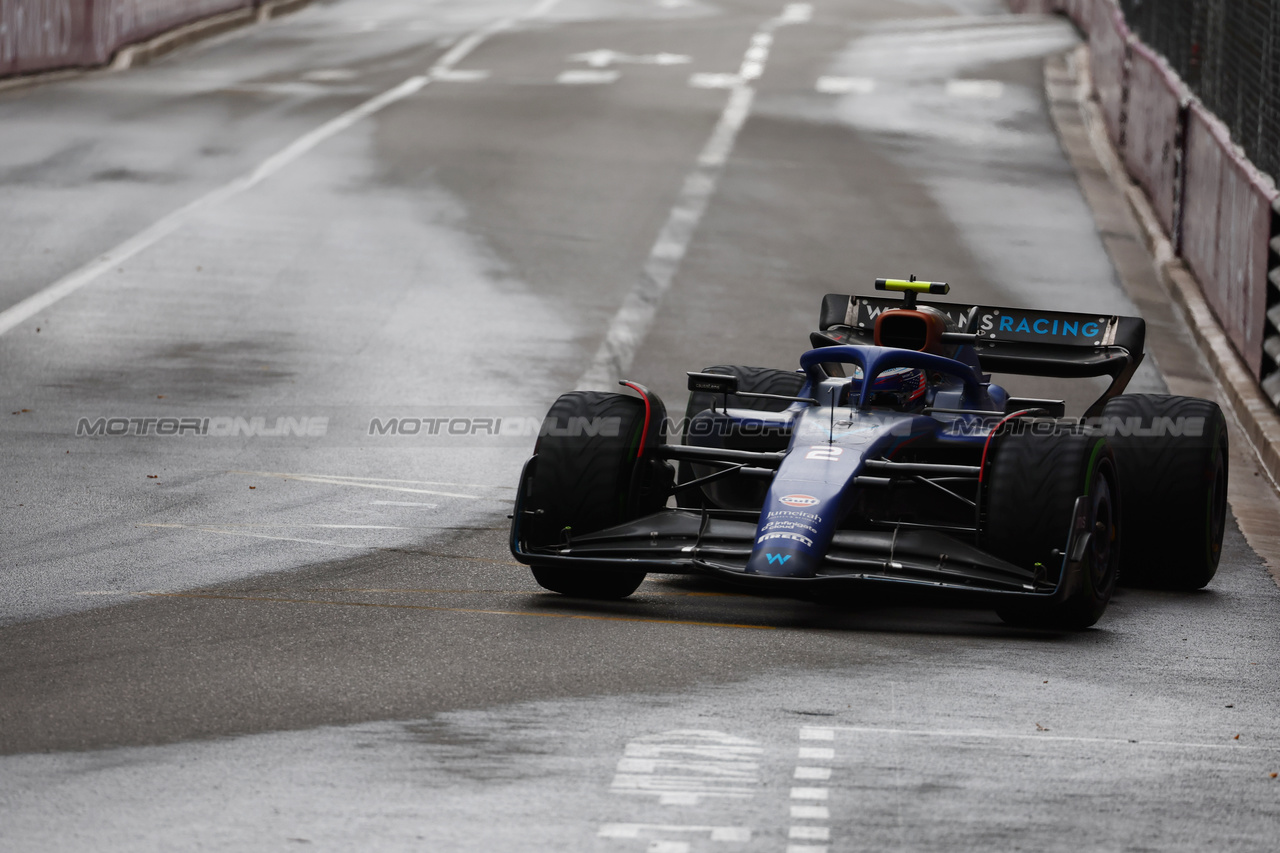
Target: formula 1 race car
x=890, y=465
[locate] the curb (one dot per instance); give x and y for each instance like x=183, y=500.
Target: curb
x=144, y=52
x=1254, y=412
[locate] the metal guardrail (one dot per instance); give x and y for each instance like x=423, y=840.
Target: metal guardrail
x=1228, y=52
x=1271, y=343
x=1174, y=90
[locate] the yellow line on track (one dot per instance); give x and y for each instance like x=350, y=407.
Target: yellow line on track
x=216, y=597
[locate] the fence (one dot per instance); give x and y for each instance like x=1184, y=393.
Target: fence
x=1179, y=83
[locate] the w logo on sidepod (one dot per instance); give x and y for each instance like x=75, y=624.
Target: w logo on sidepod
x=780, y=559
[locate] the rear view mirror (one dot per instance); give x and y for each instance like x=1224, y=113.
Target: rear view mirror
x=715, y=383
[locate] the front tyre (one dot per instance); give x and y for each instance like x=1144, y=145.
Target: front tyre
x=1030, y=488
x=590, y=474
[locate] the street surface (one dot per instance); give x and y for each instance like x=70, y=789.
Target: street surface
x=239, y=612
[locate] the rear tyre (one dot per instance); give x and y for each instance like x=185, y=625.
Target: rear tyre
x=1172, y=456
x=587, y=477
x=1031, y=485
x=755, y=380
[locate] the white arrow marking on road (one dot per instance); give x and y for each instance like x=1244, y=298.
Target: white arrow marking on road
x=604, y=58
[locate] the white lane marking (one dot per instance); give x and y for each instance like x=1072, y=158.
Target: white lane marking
x=302, y=478
x=845, y=85
x=460, y=75
x=820, y=753
x=405, y=503
x=797, y=13
x=631, y=324
x=810, y=813
x=806, y=831
x=816, y=733
x=324, y=75
x=474, y=39
x=820, y=774
x=988, y=735
x=714, y=81
x=684, y=766
x=371, y=479
x=233, y=524
x=809, y=793
x=257, y=535
x=604, y=58
x=586, y=77
x=987, y=90
x=73, y=281
x=735, y=834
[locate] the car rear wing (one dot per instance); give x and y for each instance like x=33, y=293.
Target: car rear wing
x=1010, y=340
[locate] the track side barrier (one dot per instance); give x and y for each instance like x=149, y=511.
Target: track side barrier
x=1226, y=232
x=1154, y=133
x=1109, y=51
x=1080, y=12
x=48, y=35
x=1036, y=7
x=1271, y=343
x=1221, y=214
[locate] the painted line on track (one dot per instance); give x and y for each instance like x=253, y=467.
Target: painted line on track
x=288, y=474
x=70, y=283
x=479, y=611
x=635, y=317
x=407, y=550
x=828, y=733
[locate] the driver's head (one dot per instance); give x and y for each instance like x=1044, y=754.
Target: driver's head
x=899, y=388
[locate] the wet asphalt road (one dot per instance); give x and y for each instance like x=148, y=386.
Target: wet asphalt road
x=259, y=641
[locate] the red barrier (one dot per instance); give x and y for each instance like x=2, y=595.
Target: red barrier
x=1109, y=50
x=41, y=35
x=1226, y=227
x=1153, y=127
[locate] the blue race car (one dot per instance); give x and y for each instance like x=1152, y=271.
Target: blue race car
x=889, y=466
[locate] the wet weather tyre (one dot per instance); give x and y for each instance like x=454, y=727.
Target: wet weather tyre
x=587, y=478
x=1030, y=489
x=1172, y=456
x=755, y=380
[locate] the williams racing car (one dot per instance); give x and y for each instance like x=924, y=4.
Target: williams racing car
x=890, y=465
